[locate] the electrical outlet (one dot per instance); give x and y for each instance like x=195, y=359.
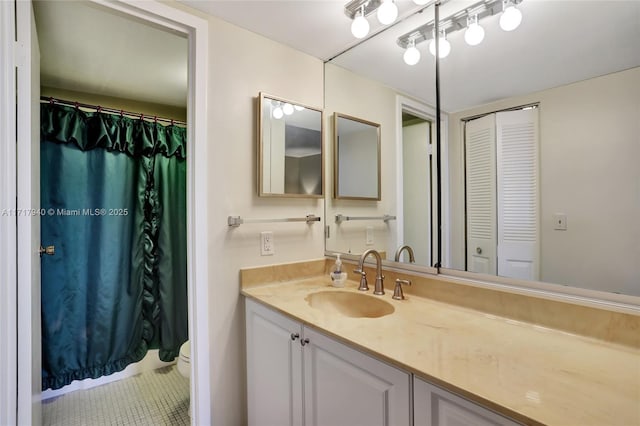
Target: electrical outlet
x=369, y=241
x=266, y=243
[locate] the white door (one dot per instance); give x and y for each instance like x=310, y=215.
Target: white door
x=28, y=197
x=274, y=368
x=344, y=387
x=518, y=217
x=480, y=158
x=416, y=186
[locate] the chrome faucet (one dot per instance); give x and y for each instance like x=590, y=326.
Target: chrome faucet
x=412, y=259
x=379, y=287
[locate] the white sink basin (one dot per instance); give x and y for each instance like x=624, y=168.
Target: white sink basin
x=354, y=305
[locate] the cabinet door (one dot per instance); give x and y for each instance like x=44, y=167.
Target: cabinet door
x=436, y=407
x=344, y=387
x=274, y=368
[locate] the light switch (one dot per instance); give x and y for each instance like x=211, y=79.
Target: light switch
x=369, y=241
x=560, y=222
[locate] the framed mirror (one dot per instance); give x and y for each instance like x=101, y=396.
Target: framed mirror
x=356, y=158
x=290, y=157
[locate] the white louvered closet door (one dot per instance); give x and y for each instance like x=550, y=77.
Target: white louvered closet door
x=518, y=213
x=480, y=158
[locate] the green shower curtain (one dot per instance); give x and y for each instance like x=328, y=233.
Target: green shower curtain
x=113, y=197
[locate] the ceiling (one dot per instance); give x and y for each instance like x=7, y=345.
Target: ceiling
x=85, y=48
x=559, y=41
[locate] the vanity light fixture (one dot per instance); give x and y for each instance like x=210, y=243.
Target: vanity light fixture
x=474, y=33
x=360, y=25
x=277, y=112
x=280, y=109
x=511, y=17
x=468, y=19
x=359, y=10
x=412, y=54
x=444, y=46
x=387, y=12
x=287, y=108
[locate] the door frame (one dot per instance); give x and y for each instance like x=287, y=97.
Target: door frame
x=196, y=29
x=8, y=226
x=426, y=112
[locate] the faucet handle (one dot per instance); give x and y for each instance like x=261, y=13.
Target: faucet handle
x=397, y=292
x=364, y=286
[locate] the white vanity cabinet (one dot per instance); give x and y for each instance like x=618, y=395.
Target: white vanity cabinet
x=434, y=406
x=274, y=367
x=297, y=376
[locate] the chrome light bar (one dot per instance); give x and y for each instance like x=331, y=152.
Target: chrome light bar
x=457, y=21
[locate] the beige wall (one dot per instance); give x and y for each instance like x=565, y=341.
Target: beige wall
x=242, y=64
x=351, y=94
x=589, y=153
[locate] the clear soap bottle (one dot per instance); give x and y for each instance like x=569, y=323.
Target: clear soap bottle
x=338, y=277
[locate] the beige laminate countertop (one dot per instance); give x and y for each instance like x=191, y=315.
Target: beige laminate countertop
x=532, y=374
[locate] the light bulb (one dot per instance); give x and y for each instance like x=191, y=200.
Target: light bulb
x=277, y=113
x=298, y=107
x=387, y=12
x=412, y=54
x=360, y=25
x=510, y=18
x=444, y=47
x=287, y=108
x=475, y=33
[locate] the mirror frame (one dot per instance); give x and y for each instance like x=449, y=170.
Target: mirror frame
x=336, y=158
x=260, y=151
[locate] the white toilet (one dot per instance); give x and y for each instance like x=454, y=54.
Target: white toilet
x=184, y=360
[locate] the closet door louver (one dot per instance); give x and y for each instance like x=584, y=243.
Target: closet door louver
x=480, y=182
x=518, y=198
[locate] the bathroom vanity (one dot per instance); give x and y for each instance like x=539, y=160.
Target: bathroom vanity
x=346, y=360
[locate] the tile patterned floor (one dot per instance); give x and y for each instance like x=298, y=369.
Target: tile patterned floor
x=154, y=398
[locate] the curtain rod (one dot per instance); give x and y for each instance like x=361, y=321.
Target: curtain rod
x=98, y=108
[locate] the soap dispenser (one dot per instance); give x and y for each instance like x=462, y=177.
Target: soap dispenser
x=338, y=277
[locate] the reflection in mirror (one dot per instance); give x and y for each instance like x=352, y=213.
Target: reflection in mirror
x=540, y=164
x=540, y=151
x=290, y=155
x=351, y=94
x=356, y=158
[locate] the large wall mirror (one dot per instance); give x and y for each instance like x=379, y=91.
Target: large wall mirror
x=356, y=158
x=290, y=157
x=539, y=145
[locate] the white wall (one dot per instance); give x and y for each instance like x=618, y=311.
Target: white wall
x=241, y=65
x=589, y=155
x=351, y=94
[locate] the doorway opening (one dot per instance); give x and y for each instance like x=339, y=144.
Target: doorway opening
x=417, y=183
x=161, y=16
